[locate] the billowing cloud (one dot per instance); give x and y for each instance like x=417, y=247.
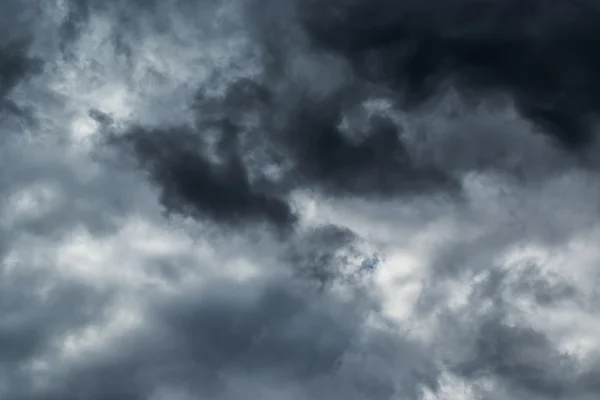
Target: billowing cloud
x=537, y=53
x=299, y=200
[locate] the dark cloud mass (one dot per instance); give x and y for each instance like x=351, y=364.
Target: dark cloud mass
x=538, y=52
x=15, y=65
x=190, y=182
x=281, y=199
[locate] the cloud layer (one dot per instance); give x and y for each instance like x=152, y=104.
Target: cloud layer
x=299, y=200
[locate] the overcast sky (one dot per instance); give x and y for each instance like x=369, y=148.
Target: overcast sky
x=299, y=200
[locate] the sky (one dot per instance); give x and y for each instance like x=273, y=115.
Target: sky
x=299, y=200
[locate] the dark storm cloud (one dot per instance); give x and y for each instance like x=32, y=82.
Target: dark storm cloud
x=330, y=103
x=222, y=165
x=16, y=65
x=18, y=62
x=540, y=53
x=327, y=158
x=405, y=55
x=191, y=184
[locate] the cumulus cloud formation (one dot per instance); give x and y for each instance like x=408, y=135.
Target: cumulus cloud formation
x=299, y=200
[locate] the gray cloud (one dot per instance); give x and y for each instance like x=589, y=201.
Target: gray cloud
x=268, y=334
x=38, y=309
x=193, y=193
x=519, y=359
